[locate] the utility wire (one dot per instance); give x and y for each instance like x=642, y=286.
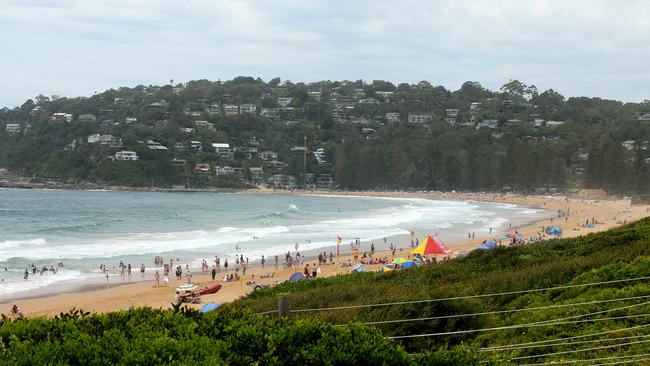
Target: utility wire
x=587, y=360
x=503, y=311
x=579, y=350
x=564, y=344
x=469, y=296
x=569, y=338
x=517, y=326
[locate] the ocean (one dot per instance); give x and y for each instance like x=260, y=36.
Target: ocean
x=85, y=229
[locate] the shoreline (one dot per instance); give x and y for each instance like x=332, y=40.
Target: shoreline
x=120, y=295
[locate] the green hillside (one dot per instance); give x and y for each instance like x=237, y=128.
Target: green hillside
x=359, y=135
x=514, y=290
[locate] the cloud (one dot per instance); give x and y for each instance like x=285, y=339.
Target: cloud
x=579, y=47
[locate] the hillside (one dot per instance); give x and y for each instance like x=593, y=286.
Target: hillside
x=613, y=256
x=593, y=292
x=358, y=135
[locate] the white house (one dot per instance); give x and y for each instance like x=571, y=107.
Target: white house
x=154, y=145
x=644, y=117
x=62, y=117
x=270, y=112
x=126, y=155
x=392, y=117
x=268, y=155
x=452, y=113
x=419, y=117
x=319, y=154
x=204, y=124
x=13, y=128
x=223, y=150
x=285, y=101
x=196, y=145
x=102, y=139
x=384, y=94
x=248, y=108
x=231, y=109
x=553, y=123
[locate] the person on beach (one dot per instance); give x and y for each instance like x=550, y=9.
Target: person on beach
x=263, y=260
x=157, y=277
x=16, y=311
x=276, y=262
x=189, y=276
x=225, y=264
x=166, y=279
x=177, y=299
x=214, y=273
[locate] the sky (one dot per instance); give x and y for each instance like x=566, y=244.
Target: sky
x=73, y=48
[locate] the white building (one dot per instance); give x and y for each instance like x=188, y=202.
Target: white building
x=126, y=155
x=154, y=145
x=223, y=150
x=248, y=108
x=285, y=101
x=102, y=139
x=196, y=145
x=268, y=155
x=231, y=109
x=13, y=128
x=392, y=117
x=62, y=117
x=419, y=117
x=319, y=154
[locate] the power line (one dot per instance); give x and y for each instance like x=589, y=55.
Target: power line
x=574, y=337
x=615, y=363
x=503, y=311
x=516, y=326
x=579, y=350
x=587, y=360
x=564, y=343
x=594, y=313
x=471, y=296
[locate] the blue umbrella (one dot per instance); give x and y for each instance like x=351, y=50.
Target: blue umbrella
x=407, y=265
x=209, y=307
x=297, y=277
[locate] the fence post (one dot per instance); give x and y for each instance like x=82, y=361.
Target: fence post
x=284, y=306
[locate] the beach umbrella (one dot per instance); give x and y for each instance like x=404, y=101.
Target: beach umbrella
x=387, y=268
x=488, y=245
x=209, y=307
x=407, y=265
x=297, y=277
x=401, y=260
x=431, y=245
x=359, y=268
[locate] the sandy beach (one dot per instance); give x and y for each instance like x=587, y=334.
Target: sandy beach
x=122, y=295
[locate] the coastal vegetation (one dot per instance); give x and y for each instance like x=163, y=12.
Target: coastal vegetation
x=592, y=289
x=373, y=136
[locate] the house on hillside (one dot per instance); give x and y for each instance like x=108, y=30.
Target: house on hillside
x=392, y=117
x=285, y=101
x=320, y=156
x=196, y=146
x=418, y=117
x=223, y=150
x=247, y=151
x=202, y=169
x=231, y=109
x=13, y=128
x=281, y=181
x=87, y=118
x=204, y=124
x=257, y=174
x=154, y=145
x=126, y=155
x=108, y=140
x=270, y=112
x=644, y=117
x=268, y=155
x=248, y=108
x=61, y=117
x=299, y=150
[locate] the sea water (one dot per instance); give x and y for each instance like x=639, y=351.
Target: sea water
x=85, y=229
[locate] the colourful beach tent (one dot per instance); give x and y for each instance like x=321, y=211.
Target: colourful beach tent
x=401, y=260
x=297, y=277
x=359, y=268
x=407, y=265
x=431, y=245
x=388, y=268
x=209, y=307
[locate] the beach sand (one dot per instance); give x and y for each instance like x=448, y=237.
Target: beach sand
x=118, y=295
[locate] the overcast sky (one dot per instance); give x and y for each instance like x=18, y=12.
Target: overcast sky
x=73, y=48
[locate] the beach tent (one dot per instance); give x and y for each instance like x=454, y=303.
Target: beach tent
x=401, y=260
x=209, y=307
x=359, y=268
x=554, y=230
x=297, y=277
x=488, y=245
x=407, y=265
x=186, y=287
x=431, y=245
x=387, y=268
